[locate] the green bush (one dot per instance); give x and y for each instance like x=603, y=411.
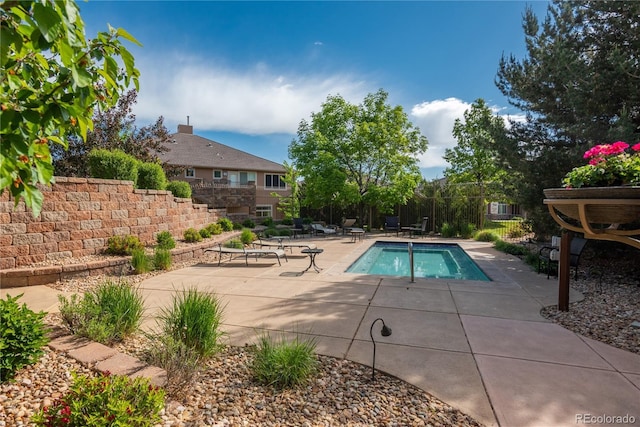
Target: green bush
x=106, y=314
x=287, y=221
x=285, y=232
x=22, y=336
x=510, y=248
x=115, y=164
x=248, y=223
x=486, y=236
x=162, y=259
x=448, y=230
x=191, y=235
x=123, y=245
x=105, y=400
x=467, y=230
x=267, y=222
x=247, y=236
x=194, y=319
x=214, y=228
x=237, y=226
x=234, y=244
x=151, y=176
x=284, y=364
x=165, y=240
x=226, y=224
x=179, y=189
x=205, y=232
x=140, y=261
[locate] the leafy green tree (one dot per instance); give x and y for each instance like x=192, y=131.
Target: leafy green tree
x=578, y=86
x=290, y=205
x=362, y=155
x=52, y=79
x=113, y=129
x=473, y=159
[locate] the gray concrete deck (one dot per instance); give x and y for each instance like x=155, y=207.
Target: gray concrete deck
x=480, y=346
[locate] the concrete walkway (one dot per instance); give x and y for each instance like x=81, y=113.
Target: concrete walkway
x=480, y=346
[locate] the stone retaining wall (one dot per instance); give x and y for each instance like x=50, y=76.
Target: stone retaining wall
x=80, y=214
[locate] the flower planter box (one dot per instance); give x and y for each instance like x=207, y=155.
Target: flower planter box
x=602, y=205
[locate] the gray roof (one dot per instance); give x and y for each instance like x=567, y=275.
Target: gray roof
x=198, y=152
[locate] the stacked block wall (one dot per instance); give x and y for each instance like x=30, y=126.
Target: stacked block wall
x=80, y=214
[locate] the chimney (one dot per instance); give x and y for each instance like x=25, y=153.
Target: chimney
x=185, y=129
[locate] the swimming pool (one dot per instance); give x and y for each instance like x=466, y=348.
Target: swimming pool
x=430, y=260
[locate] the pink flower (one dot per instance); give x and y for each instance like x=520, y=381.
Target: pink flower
x=636, y=147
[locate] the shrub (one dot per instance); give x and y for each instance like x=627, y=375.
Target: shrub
x=105, y=400
x=486, y=236
x=270, y=232
x=205, y=233
x=123, y=245
x=194, y=319
x=191, y=235
x=286, y=221
x=165, y=240
x=151, y=176
x=233, y=243
x=467, y=230
x=237, y=226
x=214, y=228
x=140, y=262
x=181, y=362
x=248, y=223
x=22, y=336
x=448, y=230
x=162, y=259
x=267, y=222
x=285, y=232
x=106, y=314
x=180, y=189
x=115, y=164
x=511, y=248
x=226, y=224
x=284, y=364
x=247, y=236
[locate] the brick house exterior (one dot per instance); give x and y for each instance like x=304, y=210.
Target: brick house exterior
x=226, y=178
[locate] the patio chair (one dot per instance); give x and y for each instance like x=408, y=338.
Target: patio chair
x=544, y=256
x=392, y=223
x=422, y=230
x=321, y=229
x=348, y=224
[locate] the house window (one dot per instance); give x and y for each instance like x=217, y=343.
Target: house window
x=190, y=173
x=245, y=177
x=502, y=208
x=274, y=181
x=264, y=211
x=217, y=174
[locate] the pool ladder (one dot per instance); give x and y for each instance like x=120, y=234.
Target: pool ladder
x=410, y=248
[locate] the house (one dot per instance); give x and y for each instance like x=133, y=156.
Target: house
x=226, y=178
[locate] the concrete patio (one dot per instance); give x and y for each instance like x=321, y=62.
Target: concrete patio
x=480, y=346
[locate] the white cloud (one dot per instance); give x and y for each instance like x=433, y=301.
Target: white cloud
x=252, y=101
x=435, y=119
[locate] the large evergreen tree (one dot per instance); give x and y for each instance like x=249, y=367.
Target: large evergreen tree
x=579, y=86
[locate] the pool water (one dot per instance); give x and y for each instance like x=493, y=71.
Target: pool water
x=430, y=260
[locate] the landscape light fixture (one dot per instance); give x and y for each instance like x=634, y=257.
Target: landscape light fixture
x=385, y=332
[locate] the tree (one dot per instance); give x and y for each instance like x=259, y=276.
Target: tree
x=290, y=205
x=362, y=155
x=52, y=79
x=578, y=87
x=473, y=159
x=113, y=129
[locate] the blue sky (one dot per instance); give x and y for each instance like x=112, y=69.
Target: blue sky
x=247, y=73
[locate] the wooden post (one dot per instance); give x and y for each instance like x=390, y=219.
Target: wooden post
x=564, y=272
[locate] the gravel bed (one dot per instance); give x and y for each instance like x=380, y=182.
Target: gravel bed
x=342, y=394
